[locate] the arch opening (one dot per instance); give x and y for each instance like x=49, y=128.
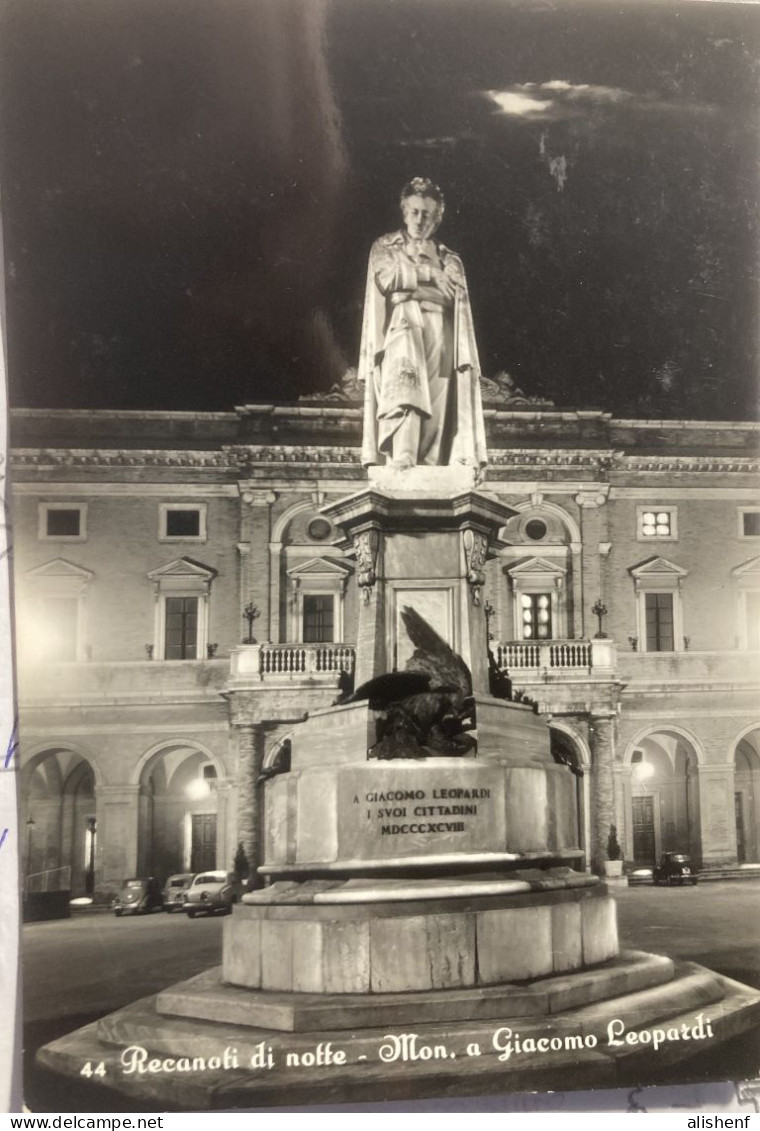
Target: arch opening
x=664, y=810
x=747, y=797
x=58, y=823
x=178, y=812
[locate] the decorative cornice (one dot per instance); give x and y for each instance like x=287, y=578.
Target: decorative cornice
x=254, y=454
x=184, y=567
x=115, y=414
x=60, y=568
x=691, y=425
x=658, y=568
x=131, y=457
x=226, y=459
x=598, y=459
x=240, y=458
x=689, y=463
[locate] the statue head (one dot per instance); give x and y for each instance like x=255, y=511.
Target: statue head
x=422, y=207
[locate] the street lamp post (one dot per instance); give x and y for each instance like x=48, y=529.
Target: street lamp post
x=29, y=837
x=89, y=880
x=489, y=611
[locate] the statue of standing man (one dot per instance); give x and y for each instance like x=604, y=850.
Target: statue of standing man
x=419, y=361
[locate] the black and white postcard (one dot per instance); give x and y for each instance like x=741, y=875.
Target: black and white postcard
x=383, y=487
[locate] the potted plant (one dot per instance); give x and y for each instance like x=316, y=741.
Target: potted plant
x=240, y=865
x=613, y=865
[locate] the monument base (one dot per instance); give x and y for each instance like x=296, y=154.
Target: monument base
x=202, y=1046
x=381, y=936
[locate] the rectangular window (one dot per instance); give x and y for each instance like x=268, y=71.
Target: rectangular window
x=182, y=522
x=656, y=523
x=536, y=616
x=318, y=618
x=60, y=618
x=750, y=523
x=181, y=632
x=753, y=620
x=64, y=522
x=659, y=622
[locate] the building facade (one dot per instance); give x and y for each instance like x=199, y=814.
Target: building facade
x=182, y=602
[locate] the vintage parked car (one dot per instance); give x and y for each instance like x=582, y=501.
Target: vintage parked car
x=674, y=868
x=138, y=897
x=211, y=892
x=174, y=891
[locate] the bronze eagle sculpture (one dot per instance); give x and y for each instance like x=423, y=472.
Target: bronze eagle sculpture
x=426, y=710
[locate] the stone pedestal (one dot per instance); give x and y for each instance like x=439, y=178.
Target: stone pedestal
x=405, y=936
x=418, y=874
x=338, y=813
x=421, y=538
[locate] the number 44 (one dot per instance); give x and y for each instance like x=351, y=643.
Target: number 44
x=98, y=1070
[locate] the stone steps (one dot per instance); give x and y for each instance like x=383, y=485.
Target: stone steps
x=713, y=875
x=407, y=1060
x=207, y=998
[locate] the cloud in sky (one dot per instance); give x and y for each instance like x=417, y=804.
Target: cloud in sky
x=554, y=98
x=558, y=98
x=519, y=103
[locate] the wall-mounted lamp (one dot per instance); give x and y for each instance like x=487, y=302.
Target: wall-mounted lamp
x=250, y=614
x=599, y=609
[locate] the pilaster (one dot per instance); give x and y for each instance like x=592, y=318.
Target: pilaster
x=248, y=744
x=717, y=816
x=602, y=736
x=256, y=562
x=117, y=814
x=593, y=530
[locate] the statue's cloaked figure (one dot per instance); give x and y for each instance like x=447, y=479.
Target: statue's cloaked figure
x=419, y=361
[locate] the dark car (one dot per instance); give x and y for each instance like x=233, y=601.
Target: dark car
x=211, y=892
x=138, y=897
x=674, y=868
x=174, y=891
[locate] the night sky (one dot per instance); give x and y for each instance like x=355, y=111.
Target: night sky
x=191, y=188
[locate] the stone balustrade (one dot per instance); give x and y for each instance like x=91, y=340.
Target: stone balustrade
x=274, y=663
x=552, y=655
x=305, y=659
